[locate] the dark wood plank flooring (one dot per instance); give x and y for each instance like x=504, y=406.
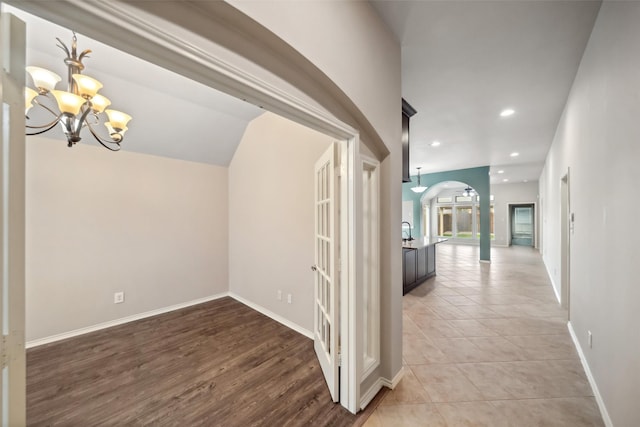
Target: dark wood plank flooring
x=215, y=364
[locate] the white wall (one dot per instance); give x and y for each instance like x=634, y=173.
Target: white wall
x=100, y=222
x=598, y=139
x=271, y=216
x=505, y=194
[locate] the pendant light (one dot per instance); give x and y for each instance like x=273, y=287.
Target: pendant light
x=418, y=188
x=468, y=192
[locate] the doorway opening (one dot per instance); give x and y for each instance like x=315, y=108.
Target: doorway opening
x=349, y=217
x=522, y=225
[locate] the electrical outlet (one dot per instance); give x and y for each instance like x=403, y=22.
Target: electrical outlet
x=590, y=339
x=118, y=298
x=289, y=298
x=279, y=295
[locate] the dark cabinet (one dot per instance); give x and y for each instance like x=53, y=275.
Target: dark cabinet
x=418, y=265
x=422, y=261
x=409, y=265
x=431, y=261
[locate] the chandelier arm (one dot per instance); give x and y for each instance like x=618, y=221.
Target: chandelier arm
x=48, y=126
x=55, y=122
x=45, y=107
x=82, y=119
x=103, y=142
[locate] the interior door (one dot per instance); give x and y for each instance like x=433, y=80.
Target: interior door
x=522, y=225
x=12, y=209
x=326, y=289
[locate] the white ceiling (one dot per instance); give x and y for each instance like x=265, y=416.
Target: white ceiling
x=462, y=63
x=465, y=61
x=172, y=116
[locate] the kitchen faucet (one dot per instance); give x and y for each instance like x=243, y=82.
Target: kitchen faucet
x=409, y=224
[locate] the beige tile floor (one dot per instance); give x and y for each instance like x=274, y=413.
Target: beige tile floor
x=487, y=345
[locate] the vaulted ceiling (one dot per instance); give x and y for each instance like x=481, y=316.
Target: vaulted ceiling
x=172, y=116
x=463, y=62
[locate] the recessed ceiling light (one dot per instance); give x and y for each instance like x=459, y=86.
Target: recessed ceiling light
x=514, y=154
x=526, y=180
x=435, y=144
x=500, y=171
x=505, y=180
x=507, y=112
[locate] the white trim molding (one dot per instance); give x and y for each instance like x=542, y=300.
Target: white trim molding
x=289, y=324
x=371, y=264
x=368, y=396
x=120, y=321
x=603, y=409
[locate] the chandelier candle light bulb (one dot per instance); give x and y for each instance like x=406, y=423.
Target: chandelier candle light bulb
x=68, y=103
x=99, y=103
x=44, y=80
x=29, y=94
x=80, y=100
x=87, y=86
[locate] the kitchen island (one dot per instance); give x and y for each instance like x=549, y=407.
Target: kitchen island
x=418, y=261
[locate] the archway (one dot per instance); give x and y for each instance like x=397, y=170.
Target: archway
x=477, y=179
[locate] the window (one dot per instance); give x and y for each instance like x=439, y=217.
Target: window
x=458, y=217
x=445, y=221
x=464, y=222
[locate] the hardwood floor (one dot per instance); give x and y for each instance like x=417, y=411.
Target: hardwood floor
x=215, y=364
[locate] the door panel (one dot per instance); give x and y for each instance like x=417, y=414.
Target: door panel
x=326, y=290
x=12, y=210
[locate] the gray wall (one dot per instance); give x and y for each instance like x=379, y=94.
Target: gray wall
x=100, y=222
x=271, y=216
x=598, y=139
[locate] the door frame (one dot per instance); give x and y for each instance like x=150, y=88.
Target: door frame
x=511, y=205
x=117, y=22
x=12, y=222
x=566, y=228
x=371, y=268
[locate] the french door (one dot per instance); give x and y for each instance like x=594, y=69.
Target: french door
x=12, y=209
x=326, y=290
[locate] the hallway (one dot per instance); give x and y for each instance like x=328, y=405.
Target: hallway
x=487, y=345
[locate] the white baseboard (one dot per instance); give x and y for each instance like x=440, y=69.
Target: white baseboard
x=603, y=409
x=368, y=396
x=553, y=283
x=289, y=324
x=116, y=322
x=394, y=382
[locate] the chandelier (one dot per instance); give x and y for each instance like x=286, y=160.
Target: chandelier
x=79, y=107
x=468, y=192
